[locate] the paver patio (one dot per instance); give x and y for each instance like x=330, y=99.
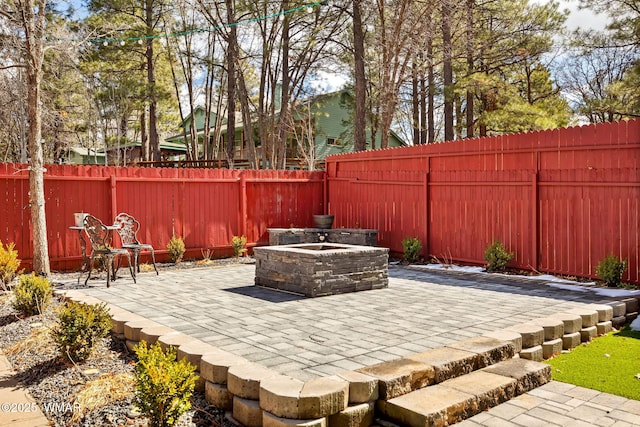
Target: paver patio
x=312, y=337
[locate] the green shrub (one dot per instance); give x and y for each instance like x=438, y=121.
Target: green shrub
x=497, y=256
x=163, y=385
x=610, y=270
x=238, y=244
x=176, y=249
x=411, y=247
x=32, y=294
x=9, y=263
x=80, y=327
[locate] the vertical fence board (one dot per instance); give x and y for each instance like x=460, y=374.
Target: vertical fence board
x=200, y=205
x=581, y=204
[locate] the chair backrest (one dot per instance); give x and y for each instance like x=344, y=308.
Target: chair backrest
x=98, y=233
x=127, y=228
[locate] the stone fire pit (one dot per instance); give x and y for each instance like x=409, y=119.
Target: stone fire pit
x=319, y=269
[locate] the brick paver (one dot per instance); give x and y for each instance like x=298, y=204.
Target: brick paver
x=311, y=337
x=554, y=404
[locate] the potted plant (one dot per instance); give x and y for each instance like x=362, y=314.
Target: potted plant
x=323, y=221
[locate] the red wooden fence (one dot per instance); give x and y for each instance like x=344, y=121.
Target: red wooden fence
x=206, y=207
x=560, y=200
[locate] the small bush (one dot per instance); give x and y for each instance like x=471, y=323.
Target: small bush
x=238, y=244
x=176, y=249
x=80, y=327
x=32, y=294
x=497, y=256
x=9, y=263
x=163, y=385
x=610, y=270
x=411, y=247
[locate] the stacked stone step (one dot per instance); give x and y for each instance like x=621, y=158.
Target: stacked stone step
x=449, y=384
x=546, y=337
x=256, y=396
x=572, y=325
x=631, y=309
x=462, y=397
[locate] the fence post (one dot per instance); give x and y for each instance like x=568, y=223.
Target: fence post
x=427, y=231
x=114, y=201
x=534, y=220
x=242, y=221
x=325, y=192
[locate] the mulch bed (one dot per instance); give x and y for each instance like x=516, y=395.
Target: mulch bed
x=55, y=383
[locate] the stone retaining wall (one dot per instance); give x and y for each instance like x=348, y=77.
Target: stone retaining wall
x=256, y=396
x=348, y=236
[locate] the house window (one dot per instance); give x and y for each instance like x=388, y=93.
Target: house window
x=334, y=142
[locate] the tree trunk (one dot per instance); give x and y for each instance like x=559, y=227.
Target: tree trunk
x=231, y=86
x=34, y=37
x=470, y=70
x=447, y=70
x=360, y=124
x=154, y=140
x=459, y=125
x=36, y=176
x=247, y=127
x=281, y=148
x=431, y=83
x=423, y=109
x=144, y=141
x=415, y=105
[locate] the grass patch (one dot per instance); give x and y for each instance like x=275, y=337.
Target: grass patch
x=610, y=364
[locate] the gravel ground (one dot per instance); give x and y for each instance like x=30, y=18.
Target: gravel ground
x=55, y=383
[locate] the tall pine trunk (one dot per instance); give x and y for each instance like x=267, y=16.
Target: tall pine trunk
x=154, y=140
x=33, y=22
x=359, y=134
x=232, y=49
x=447, y=70
x=281, y=147
x=470, y=70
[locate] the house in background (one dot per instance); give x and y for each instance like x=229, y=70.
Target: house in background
x=330, y=117
x=130, y=153
x=83, y=156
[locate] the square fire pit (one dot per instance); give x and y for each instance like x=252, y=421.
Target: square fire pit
x=319, y=269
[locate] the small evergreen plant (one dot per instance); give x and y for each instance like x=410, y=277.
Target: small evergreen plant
x=163, y=385
x=411, y=247
x=80, y=327
x=176, y=249
x=497, y=256
x=9, y=263
x=610, y=270
x=238, y=244
x=32, y=294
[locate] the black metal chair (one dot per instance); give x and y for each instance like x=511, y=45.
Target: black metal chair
x=100, y=238
x=127, y=228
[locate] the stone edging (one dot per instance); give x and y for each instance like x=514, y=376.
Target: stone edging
x=258, y=396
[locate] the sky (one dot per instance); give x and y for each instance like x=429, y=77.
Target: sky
x=579, y=19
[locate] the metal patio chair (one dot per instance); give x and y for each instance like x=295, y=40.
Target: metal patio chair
x=127, y=227
x=100, y=238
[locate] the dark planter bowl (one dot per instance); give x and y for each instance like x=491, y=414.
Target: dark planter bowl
x=323, y=221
